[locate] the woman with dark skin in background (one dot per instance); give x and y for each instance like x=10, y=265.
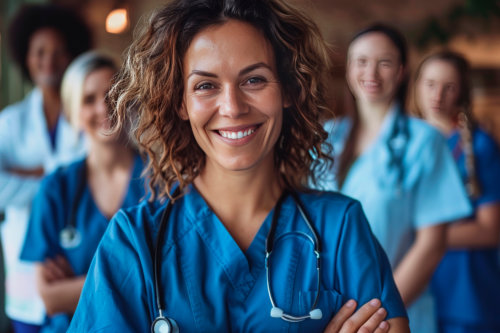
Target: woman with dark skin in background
x=226, y=98
x=34, y=139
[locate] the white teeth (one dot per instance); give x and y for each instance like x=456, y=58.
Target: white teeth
x=236, y=135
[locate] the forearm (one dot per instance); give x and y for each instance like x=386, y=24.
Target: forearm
x=469, y=234
x=62, y=296
x=17, y=190
x=416, y=268
x=481, y=232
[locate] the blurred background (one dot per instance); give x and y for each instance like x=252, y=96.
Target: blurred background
x=471, y=27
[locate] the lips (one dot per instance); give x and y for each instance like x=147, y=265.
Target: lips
x=371, y=86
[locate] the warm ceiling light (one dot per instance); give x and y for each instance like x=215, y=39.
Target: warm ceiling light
x=117, y=21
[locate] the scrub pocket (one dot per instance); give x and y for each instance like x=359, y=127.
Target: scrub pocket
x=329, y=302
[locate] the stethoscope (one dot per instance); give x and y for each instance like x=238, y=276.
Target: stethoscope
x=163, y=324
x=69, y=236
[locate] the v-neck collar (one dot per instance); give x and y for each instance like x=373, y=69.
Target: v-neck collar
x=241, y=267
x=382, y=137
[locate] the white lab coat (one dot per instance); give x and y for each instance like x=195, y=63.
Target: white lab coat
x=25, y=143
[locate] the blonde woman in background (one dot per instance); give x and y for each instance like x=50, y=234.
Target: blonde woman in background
x=71, y=211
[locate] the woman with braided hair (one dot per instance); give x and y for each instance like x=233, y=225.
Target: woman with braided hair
x=466, y=282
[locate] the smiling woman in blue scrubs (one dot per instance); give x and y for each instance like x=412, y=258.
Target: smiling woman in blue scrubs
x=398, y=167
x=467, y=281
x=226, y=98
x=71, y=211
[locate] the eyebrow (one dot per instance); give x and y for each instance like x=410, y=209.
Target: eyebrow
x=244, y=71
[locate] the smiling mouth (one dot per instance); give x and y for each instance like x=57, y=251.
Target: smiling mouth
x=236, y=134
x=370, y=84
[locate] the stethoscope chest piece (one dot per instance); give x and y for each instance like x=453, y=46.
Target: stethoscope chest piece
x=164, y=325
x=69, y=237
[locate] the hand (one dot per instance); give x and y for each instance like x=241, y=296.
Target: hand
x=369, y=318
x=56, y=269
x=35, y=172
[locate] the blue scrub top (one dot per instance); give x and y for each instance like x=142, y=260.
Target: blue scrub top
x=430, y=191
x=210, y=285
x=467, y=282
x=51, y=213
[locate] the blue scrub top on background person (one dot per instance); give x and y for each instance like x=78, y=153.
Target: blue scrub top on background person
x=430, y=191
x=51, y=214
x=467, y=282
x=211, y=285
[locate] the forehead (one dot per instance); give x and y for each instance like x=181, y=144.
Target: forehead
x=373, y=44
x=231, y=43
x=438, y=69
x=46, y=34
x=98, y=78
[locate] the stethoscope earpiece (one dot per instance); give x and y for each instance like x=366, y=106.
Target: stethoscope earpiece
x=316, y=314
x=163, y=324
x=276, y=312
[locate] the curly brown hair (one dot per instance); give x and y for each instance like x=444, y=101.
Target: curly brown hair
x=149, y=89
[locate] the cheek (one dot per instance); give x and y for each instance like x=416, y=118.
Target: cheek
x=420, y=95
x=454, y=99
x=85, y=116
x=196, y=111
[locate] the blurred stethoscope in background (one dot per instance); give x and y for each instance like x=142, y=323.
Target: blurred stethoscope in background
x=163, y=324
x=69, y=236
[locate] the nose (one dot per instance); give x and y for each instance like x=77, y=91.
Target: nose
x=437, y=95
x=371, y=70
x=232, y=102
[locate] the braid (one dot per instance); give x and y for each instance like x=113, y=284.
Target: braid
x=466, y=130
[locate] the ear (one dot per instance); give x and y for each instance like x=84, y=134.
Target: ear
x=183, y=114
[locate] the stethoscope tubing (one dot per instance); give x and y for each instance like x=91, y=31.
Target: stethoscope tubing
x=269, y=247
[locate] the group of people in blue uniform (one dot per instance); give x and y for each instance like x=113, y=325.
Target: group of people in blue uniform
x=202, y=190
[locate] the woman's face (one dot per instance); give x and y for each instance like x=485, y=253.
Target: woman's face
x=374, y=69
x=232, y=96
x=47, y=58
x=437, y=90
x=93, y=117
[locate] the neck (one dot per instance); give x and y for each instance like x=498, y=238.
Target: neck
x=372, y=114
x=105, y=158
x=51, y=106
x=371, y=118
x=445, y=126
x=241, y=199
